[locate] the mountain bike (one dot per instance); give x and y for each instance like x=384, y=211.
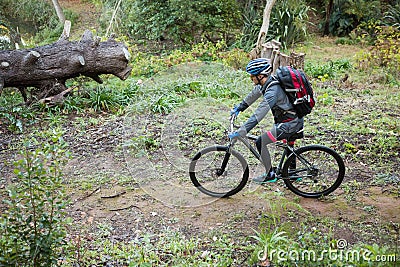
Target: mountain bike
x=310, y=171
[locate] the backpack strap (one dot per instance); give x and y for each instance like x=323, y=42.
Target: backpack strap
x=271, y=82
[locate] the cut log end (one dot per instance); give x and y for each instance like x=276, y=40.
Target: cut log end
x=81, y=60
x=127, y=54
x=30, y=58
x=123, y=75
x=4, y=64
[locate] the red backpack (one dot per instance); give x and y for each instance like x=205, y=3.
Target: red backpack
x=297, y=88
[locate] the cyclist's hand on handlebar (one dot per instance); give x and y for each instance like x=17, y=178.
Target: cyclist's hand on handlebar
x=233, y=136
x=235, y=111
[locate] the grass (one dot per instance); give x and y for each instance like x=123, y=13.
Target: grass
x=358, y=118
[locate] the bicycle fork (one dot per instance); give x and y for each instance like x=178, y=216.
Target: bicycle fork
x=221, y=170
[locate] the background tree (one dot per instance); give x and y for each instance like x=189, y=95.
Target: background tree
x=59, y=11
x=328, y=13
x=265, y=25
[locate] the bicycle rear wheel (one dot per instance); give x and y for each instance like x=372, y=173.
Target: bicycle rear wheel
x=318, y=171
x=219, y=171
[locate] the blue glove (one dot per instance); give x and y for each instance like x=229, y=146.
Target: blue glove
x=235, y=110
x=233, y=135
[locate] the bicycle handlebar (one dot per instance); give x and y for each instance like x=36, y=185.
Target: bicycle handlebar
x=232, y=123
x=233, y=127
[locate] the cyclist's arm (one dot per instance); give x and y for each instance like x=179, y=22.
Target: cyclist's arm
x=250, y=98
x=262, y=110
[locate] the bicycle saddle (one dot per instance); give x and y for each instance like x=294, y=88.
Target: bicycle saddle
x=297, y=135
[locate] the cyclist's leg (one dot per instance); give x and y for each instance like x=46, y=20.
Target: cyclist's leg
x=278, y=132
x=261, y=144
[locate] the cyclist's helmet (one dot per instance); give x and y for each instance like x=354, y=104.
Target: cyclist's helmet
x=259, y=66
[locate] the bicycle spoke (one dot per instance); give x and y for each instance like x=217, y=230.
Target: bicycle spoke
x=319, y=171
x=208, y=176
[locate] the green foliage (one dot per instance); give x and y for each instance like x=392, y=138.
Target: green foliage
x=288, y=23
x=328, y=70
x=347, y=15
x=33, y=225
x=392, y=16
x=171, y=88
x=36, y=18
x=103, y=98
x=235, y=58
x=345, y=41
x=147, y=65
x=178, y=20
x=252, y=21
x=110, y=98
x=168, y=248
x=14, y=116
x=313, y=246
x=36, y=12
x=385, y=51
x=166, y=103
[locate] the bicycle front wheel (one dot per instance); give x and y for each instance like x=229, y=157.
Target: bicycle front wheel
x=313, y=171
x=219, y=171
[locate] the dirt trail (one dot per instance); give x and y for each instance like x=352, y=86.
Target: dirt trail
x=114, y=197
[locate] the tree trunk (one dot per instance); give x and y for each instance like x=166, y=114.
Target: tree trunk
x=59, y=11
x=328, y=11
x=46, y=68
x=265, y=25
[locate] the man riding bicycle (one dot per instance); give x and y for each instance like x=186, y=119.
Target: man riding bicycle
x=286, y=122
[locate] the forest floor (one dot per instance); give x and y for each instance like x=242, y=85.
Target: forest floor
x=105, y=188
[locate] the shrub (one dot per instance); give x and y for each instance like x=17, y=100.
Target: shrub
x=328, y=70
x=36, y=12
x=33, y=226
x=179, y=20
x=347, y=15
x=289, y=20
x=252, y=21
x=384, y=52
x=392, y=16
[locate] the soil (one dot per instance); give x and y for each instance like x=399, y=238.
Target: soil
x=123, y=194
x=104, y=187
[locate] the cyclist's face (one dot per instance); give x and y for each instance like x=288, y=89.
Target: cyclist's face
x=254, y=79
x=260, y=79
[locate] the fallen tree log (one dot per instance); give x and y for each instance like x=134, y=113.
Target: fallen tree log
x=46, y=68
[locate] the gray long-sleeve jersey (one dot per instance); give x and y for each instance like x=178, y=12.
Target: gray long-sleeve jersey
x=275, y=99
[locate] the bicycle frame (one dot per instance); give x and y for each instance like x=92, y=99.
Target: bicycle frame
x=287, y=149
x=308, y=171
